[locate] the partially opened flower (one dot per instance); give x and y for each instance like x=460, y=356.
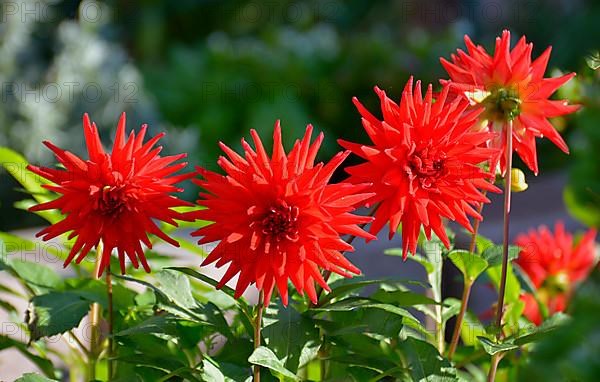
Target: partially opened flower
x=555, y=265
x=511, y=87
x=423, y=163
x=113, y=198
x=278, y=218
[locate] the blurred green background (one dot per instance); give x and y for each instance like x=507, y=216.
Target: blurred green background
x=208, y=71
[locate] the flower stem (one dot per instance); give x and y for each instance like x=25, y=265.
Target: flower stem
x=502, y=287
x=466, y=291
x=496, y=358
x=94, y=318
x=109, y=294
x=459, y=319
x=257, y=327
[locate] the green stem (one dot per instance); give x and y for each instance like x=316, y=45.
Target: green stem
x=502, y=287
x=94, y=319
x=494, y=366
x=257, y=328
x=109, y=294
x=459, y=319
x=466, y=291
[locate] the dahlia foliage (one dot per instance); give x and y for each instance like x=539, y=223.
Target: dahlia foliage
x=423, y=163
x=278, y=218
x=509, y=86
x=555, y=264
x=113, y=198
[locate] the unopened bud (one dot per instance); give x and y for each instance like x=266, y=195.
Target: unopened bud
x=517, y=178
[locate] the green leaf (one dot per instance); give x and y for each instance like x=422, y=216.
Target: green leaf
x=540, y=332
x=493, y=254
x=513, y=288
x=55, y=313
x=343, y=288
x=177, y=287
x=593, y=60
x=33, y=377
x=159, y=324
x=38, y=276
x=357, y=303
x=42, y=363
x=471, y=329
x=492, y=347
x=469, y=264
x=425, y=362
x=402, y=298
x=16, y=165
x=264, y=357
x=290, y=335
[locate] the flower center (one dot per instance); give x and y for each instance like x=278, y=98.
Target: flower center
x=425, y=167
x=281, y=222
x=110, y=200
x=502, y=104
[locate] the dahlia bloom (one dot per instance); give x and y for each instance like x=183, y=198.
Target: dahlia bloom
x=510, y=87
x=113, y=198
x=423, y=163
x=278, y=218
x=555, y=265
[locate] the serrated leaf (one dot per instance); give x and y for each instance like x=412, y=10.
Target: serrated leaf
x=264, y=357
x=493, y=348
x=469, y=264
x=55, y=313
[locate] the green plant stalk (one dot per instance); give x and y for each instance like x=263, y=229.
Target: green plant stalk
x=459, y=319
x=257, y=327
x=466, y=292
x=502, y=287
x=496, y=358
x=109, y=294
x=94, y=319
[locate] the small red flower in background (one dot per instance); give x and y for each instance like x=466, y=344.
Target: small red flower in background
x=511, y=87
x=278, y=218
x=113, y=197
x=423, y=163
x=554, y=266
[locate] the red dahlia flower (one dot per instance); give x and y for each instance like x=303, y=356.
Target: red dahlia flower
x=113, y=197
x=511, y=87
x=278, y=218
x=554, y=266
x=423, y=163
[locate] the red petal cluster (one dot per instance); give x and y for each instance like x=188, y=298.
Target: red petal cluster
x=278, y=218
x=423, y=163
x=113, y=197
x=554, y=265
x=517, y=83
